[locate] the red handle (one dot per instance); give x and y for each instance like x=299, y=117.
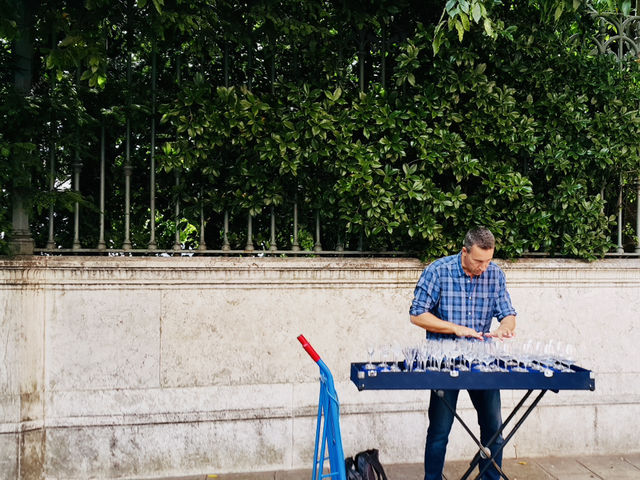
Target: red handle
x=312, y=353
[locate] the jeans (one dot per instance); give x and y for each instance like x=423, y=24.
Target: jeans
x=487, y=405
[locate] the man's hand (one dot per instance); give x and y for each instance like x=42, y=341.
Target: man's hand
x=461, y=331
x=431, y=323
x=507, y=328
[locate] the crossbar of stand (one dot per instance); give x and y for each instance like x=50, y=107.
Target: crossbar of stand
x=484, y=451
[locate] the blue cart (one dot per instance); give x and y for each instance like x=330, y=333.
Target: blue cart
x=328, y=425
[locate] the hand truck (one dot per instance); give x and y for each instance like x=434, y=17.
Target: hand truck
x=328, y=424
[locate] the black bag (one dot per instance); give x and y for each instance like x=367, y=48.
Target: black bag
x=366, y=466
x=352, y=472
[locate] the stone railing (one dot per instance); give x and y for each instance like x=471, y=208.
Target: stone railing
x=137, y=367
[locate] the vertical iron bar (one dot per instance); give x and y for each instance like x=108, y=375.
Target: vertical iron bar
x=620, y=31
x=203, y=244
x=152, y=180
x=176, y=242
x=128, y=169
x=295, y=246
x=249, y=246
x=360, y=240
x=361, y=60
x=225, y=62
x=318, y=246
x=340, y=244
x=273, y=70
x=620, y=248
x=52, y=148
x=21, y=241
x=52, y=185
x=77, y=165
x=383, y=60
x=225, y=234
x=103, y=134
x=273, y=247
x=101, y=242
x=250, y=65
x=126, y=244
x=638, y=208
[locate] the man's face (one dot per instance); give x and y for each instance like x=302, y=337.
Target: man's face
x=476, y=260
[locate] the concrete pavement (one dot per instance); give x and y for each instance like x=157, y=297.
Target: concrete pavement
x=610, y=467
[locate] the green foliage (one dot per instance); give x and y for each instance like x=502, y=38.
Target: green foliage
x=460, y=15
x=508, y=125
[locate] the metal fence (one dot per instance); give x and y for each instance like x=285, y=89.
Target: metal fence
x=288, y=229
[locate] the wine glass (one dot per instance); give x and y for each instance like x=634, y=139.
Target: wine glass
x=441, y=355
x=502, y=353
x=432, y=363
x=520, y=357
x=488, y=356
x=386, y=351
x=397, y=353
x=409, y=357
x=461, y=349
x=549, y=357
x=370, y=352
x=567, y=358
x=536, y=354
x=491, y=349
x=421, y=357
x=473, y=353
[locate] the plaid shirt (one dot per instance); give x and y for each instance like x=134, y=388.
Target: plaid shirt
x=446, y=291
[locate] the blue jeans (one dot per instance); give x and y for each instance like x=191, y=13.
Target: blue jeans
x=487, y=405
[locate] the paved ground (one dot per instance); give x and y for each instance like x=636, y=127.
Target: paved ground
x=613, y=467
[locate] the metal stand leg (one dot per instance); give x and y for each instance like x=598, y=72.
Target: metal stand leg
x=517, y=426
x=484, y=451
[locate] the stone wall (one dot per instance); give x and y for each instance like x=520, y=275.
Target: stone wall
x=135, y=367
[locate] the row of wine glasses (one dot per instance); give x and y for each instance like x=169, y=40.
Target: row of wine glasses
x=488, y=355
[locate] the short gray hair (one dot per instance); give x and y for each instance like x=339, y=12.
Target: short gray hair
x=480, y=236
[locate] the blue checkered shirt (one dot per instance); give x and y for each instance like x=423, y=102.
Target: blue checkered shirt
x=446, y=291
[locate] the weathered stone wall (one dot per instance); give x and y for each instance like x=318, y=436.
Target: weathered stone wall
x=134, y=367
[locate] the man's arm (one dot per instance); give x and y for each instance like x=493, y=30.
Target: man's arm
x=431, y=323
x=507, y=328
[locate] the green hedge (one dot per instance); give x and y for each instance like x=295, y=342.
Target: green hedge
x=522, y=130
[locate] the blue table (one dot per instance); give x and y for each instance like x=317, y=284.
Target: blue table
x=550, y=379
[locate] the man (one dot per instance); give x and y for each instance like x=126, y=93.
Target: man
x=458, y=296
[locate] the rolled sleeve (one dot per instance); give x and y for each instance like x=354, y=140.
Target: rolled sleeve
x=426, y=293
x=503, y=306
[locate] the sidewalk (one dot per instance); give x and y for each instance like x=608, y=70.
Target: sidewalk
x=611, y=467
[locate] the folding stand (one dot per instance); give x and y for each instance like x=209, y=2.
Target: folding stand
x=484, y=452
x=576, y=379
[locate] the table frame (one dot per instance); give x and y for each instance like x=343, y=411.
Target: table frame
x=578, y=379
